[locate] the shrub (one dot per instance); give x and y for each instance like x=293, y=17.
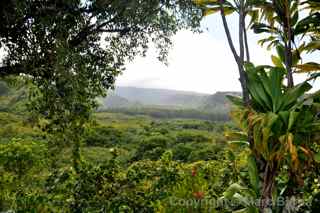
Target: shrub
x=4, y=90
x=21, y=166
x=181, y=152
x=104, y=136
x=19, y=157
x=207, y=152
x=191, y=136
x=152, y=147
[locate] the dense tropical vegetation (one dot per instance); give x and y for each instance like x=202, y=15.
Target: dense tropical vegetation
x=280, y=120
x=128, y=164
x=57, y=154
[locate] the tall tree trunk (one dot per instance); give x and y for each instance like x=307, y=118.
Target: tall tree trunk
x=241, y=32
x=243, y=76
x=288, y=60
x=288, y=47
x=246, y=40
x=268, y=186
x=270, y=172
x=267, y=172
x=239, y=59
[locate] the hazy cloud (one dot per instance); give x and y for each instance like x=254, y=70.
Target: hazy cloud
x=197, y=62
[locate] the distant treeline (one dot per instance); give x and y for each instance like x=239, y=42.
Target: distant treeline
x=173, y=113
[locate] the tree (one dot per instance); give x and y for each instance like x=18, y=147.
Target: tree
x=33, y=31
x=243, y=9
x=287, y=27
x=72, y=51
x=284, y=127
x=280, y=124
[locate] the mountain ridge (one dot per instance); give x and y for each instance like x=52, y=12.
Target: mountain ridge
x=128, y=97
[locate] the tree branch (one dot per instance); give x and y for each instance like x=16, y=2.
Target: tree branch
x=288, y=47
x=91, y=29
x=11, y=70
x=239, y=60
x=246, y=40
x=227, y=31
x=241, y=46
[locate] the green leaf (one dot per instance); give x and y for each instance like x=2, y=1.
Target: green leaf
x=231, y=190
x=276, y=61
x=253, y=173
x=235, y=135
x=269, y=39
x=292, y=95
x=244, y=210
x=262, y=28
x=295, y=57
x=284, y=115
x=276, y=78
x=254, y=14
x=229, y=10
x=308, y=67
x=281, y=52
x=204, y=2
x=242, y=199
x=292, y=119
x=317, y=157
x=294, y=18
x=210, y=11
x=312, y=46
x=239, y=143
x=236, y=100
x=309, y=24
x=260, y=86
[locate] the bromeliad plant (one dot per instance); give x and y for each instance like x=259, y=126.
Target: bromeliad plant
x=284, y=126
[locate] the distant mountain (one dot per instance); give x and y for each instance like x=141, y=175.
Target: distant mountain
x=115, y=101
x=133, y=96
x=128, y=97
x=218, y=101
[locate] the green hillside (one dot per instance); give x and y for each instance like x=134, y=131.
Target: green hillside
x=167, y=103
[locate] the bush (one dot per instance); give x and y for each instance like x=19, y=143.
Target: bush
x=21, y=166
x=4, y=89
x=192, y=136
x=207, y=152
x=19, y=157
x=104, y=136
x=181, y=152
x=152, y=147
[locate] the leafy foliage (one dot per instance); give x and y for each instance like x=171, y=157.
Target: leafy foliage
x=283, y=122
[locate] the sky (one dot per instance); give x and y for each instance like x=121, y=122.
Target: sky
x=197, y=62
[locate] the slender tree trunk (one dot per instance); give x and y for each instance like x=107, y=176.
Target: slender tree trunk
x=288, y=62
x=227, y=31
x=288, y=47
x=270, y=173
x=243, y=76
x=246, y=40
x=239, y=59
x=267, y=172
x=241, y=32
